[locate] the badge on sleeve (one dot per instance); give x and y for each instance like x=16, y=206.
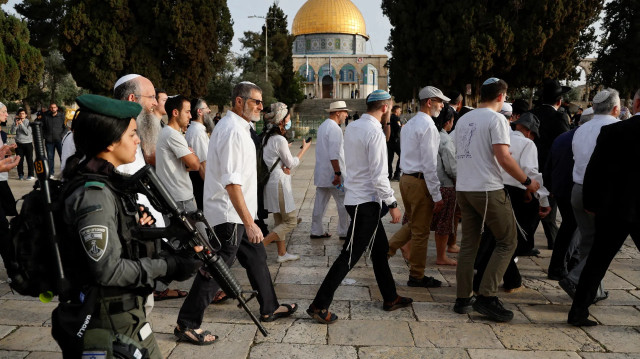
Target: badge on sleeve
x=94, y=239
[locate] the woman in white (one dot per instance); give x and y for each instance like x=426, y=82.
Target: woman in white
x=278, y=195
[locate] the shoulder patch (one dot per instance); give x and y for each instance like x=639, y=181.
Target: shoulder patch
x=94, y=184
x=94, y=240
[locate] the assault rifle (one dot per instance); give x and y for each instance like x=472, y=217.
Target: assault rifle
x=184, y=226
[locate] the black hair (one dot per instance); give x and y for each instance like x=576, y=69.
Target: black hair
x=446, y=114
x=174, y=103
x=376, y=105
x=92, y=134
x=454, y=95
x=394, y=107
x=491, y=91
x=159, y=91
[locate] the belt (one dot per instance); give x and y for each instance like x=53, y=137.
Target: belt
x=416, y=175
x=123, y=305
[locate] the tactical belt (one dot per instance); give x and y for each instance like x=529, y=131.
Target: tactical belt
x=124, y=304
x=416, y=175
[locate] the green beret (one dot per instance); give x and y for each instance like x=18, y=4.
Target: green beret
x=108, y=106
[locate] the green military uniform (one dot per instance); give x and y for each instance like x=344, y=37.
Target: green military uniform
x=112, y=268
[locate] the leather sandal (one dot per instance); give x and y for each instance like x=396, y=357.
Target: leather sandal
x=169, y=294
x=183, y=336
x=291, y=308
x=322, y=315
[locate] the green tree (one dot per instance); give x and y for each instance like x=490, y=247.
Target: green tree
x=43, y=20
x=467, y=41
x=286, y=88
x=618, y=63
x=21, y=64
x=222, y=83
x=178, y=45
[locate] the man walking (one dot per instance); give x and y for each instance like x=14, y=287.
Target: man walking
x=198, y=140
x=606, y=107
x=419, y=185
x=482, y=147
x=52, y=130
x=367, y=186
x=230, y=206
x=329, y=171
x=393, y=143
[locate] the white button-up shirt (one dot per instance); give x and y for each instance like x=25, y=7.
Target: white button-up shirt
x=584, y=142
x=278, y=147
x=231, y=160
x=198, y=140
x=419, y=141
x=329, y=146
x=365, y=151
x=525, y=152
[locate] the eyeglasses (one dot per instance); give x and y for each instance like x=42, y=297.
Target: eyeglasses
x=258, y=102
x=149, y=96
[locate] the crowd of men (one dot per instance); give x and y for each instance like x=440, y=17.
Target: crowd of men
x=502, y=168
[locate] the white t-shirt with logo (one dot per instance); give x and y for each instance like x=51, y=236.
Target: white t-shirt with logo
x=476, y=133
x=170, y=148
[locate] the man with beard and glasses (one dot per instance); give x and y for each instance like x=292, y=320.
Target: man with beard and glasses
x=136, y=88
x=199, y=141
x=230, y=206
x=419, y=184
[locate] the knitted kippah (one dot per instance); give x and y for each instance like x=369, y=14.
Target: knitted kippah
x=601, y=96
x=378, y=95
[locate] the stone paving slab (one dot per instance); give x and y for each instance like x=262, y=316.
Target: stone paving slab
x=344, y=292
x=548, y=313
x=616, y=339
x=614, y=281
x=509, y=354
x=438, y=312
x=534, y=337
x=44, y=355
x=619, y=297
x=13, y=354
x=367, y=310
x=630, y=276
x=306, y=332
x=370, y=332
x=19, y=312
x=31, y=338
x=616, y=315
x=608, y=356
x=410, y=353
x=301, y=351
x=454, y=335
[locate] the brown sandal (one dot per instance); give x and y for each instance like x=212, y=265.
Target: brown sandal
x=169, y=294
x=322, y=315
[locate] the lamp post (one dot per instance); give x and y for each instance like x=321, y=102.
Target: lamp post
x=266, y=43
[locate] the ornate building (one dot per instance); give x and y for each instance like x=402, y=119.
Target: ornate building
x=329, y=51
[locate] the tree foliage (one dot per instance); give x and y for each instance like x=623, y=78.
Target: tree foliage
x=618, y=63
x=178, y=45
x=450, y=44
x=43, y=20
x=286, y=87
x=20, y=63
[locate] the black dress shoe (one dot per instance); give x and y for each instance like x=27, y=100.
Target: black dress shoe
x=464, y=305
x=492, y=307
x=427, y=282
x=582, y=322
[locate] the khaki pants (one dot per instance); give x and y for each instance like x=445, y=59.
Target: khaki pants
x=418, y=206
x=284, y=222
x=500, y=220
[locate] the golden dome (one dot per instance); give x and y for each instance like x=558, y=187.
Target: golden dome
x=329, y=16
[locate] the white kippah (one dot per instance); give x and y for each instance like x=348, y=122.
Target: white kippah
x=587, y=112
x=246, y=83
x=125, y=78
x=601, y=96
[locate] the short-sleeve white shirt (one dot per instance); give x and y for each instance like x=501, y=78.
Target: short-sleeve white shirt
x=170, y=148
x=329, y=146
x=231, y=159
x=584, y=142
x=198, y=140
x=476, y=133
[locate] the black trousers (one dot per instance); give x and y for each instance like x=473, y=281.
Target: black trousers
x=526, y=214
x=610, y=234
x=365, y=224
x=198, y=187
x=550, y=225
x=560, y=256
x=25, y=151
x=393, y=148
x=252, y=256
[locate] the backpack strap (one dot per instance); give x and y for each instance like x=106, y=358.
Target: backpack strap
x=274, y=165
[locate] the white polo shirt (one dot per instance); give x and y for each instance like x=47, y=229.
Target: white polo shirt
x=231, y=159
x=419, y=142
x=365, y=149
x=584, y=142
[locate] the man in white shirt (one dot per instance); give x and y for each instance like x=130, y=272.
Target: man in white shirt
x=606, y=109
x=198, y=140
x=230, y=206
x=367, y=186
x=419, y=184
x=482, y=147
x=174, y=158
x=329, y=171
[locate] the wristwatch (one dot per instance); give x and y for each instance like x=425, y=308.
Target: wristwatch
x=526, y=182
x=338, y=173
x=393, y=205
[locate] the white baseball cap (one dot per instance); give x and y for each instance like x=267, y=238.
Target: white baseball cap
x=431, y=92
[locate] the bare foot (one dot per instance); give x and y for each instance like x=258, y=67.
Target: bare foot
x=446, y=262
x=453, y=249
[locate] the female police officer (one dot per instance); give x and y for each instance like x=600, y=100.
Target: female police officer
x=113, y=273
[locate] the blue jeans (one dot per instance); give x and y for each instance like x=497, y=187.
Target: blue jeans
x=51, y=148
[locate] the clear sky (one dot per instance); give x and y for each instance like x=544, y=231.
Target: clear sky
x=378, y=25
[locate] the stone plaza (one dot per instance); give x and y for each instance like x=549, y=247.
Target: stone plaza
x=427, y=329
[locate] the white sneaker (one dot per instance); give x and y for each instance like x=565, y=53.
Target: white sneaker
x=30, y=178
x=287, y=257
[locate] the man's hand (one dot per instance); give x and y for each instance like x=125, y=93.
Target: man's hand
x=544, y=211
x=254, y=233
x=8, y=163
x=336, y=180
x=286, y=170
x=6, y=150
x=396, y=216
x=438, y=206
x=534, y=186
